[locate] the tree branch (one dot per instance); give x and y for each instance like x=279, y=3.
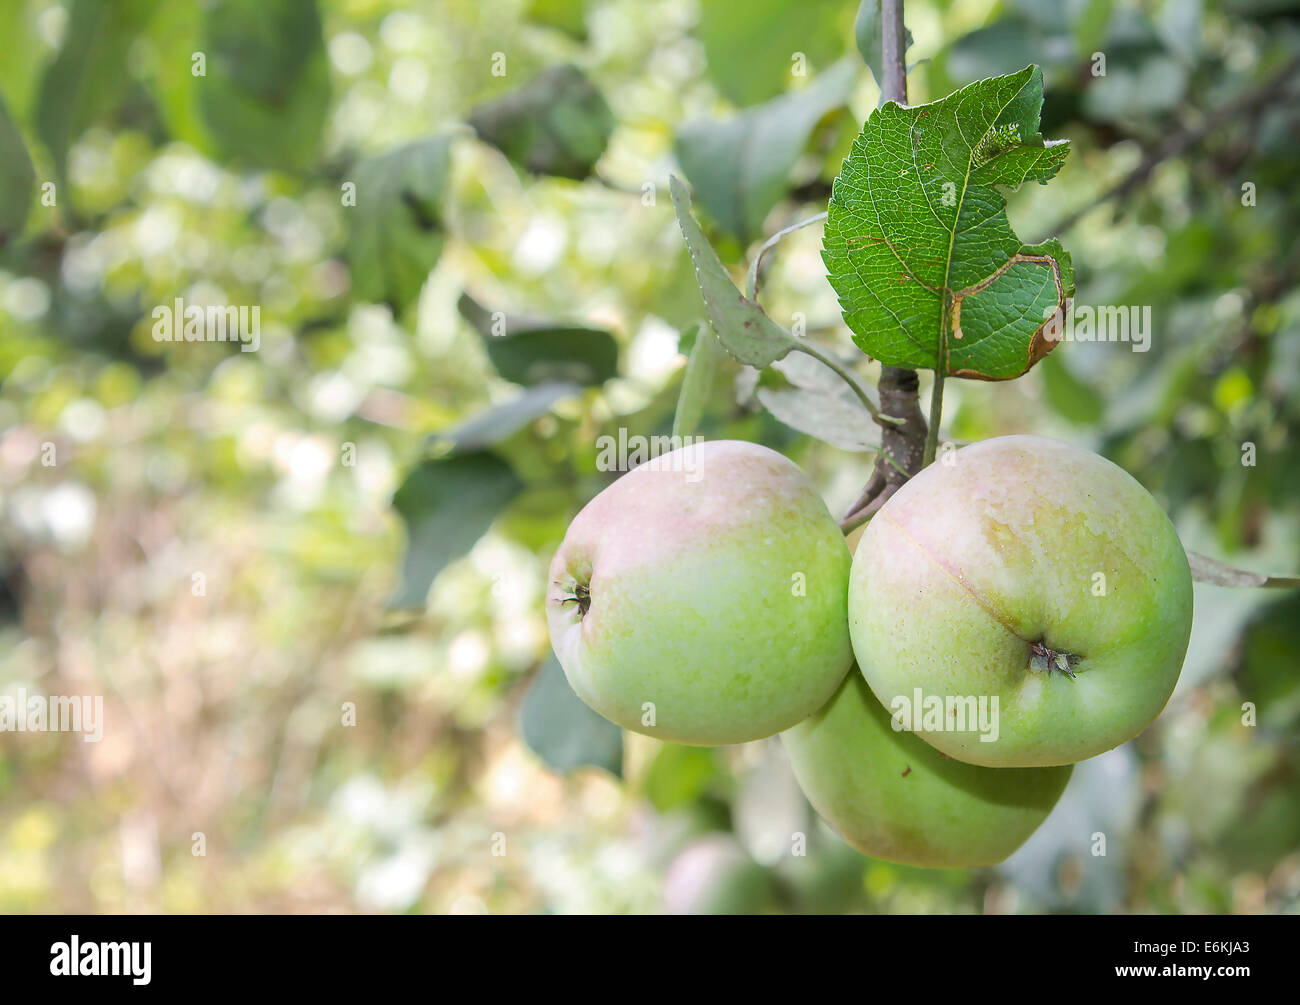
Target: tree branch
x=1251, y=105
x=903, y=445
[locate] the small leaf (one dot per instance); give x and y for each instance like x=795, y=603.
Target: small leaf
x=397, y=228
x=560, y=729
x=917, y=242
x=447, y=505
x=557, y=124
x=492, y=425
x=531, y=352
x=267, y=92
x=835, y=420
x=1207, y=570
x=741, y=168
x=740, y=324
x=16, y=178
x=811, y=374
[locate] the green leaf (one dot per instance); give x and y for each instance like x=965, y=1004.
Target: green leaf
x=21, y=64
x=491, y=426
x=560, y=729
x=557, y=124
x=750, y=44
x=994, y=49
x=16, y=178
x=740, y=324
x=830, y=417
x=530, y=352
x=866, y=32
x=447, y=505
x=1068, y=395
x=917, y=242
x=568, y=16
x=267, y=91
x=680, y=775
x=176, y=29
x=87, y=77
x=397, y=226
x=741, y=168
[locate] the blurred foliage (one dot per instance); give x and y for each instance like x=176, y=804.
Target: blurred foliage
x=308, y=580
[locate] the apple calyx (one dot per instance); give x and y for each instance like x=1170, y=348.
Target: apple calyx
x=1045, y=659
x=579, y=594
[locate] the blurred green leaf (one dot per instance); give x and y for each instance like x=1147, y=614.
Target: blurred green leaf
x=679, y=775
x=741, y=168
x=491, y=426
x=16, y=178
x=568, y=16
x=750, y=43
x=1069, y=396
x=1147, y=86
x=19, y=67
x=531, y=352
x=87, y=77
x=560, y=729
x=397, y=223
x=266, y=95
x=1270, y=653
x=998, y=48
x=556, y=124
x=447, y=505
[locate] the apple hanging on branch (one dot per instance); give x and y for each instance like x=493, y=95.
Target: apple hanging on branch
x=1028, y=571
x=700, y=598
x=1033, y=576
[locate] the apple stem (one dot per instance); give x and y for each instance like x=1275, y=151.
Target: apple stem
x=936, y=413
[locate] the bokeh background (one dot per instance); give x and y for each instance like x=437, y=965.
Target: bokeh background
x=348, y=704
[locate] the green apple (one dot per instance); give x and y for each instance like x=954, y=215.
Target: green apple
x=891, y=795
x=1027, y=573
x=700, y=598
